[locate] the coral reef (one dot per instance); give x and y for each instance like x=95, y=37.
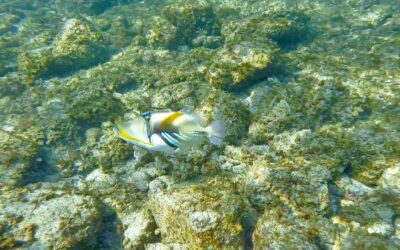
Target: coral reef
x=76, y=46
x=199, y=217
x=192, y=19
x=274, y=225
x=46, y=218
x=20, y=145
x=309, y=92
x=235, y=65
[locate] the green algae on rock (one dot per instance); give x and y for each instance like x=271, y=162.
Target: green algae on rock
x=192, y=19
x=235, y=65
x=100, y=149
x=283, y=27
x=64, y=221
x=140, y=228
x=223, y=106
x=273, y=227
x=309, y=90
x=19, y=149
x=198, y=216
x=77, y=45
x=167, y=246
x=94, y=7
x=162, y=33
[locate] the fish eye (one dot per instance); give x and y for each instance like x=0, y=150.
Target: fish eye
x=146, y=115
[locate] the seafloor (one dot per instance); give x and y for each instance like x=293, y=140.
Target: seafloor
x=309, y=90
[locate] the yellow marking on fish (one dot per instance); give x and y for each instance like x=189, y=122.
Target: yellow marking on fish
x=125, y=135
x=169, y=120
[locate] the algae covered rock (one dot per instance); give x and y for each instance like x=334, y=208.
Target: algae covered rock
x=236, y=65
x=390, y=180
x=103, y=149
x=66, y=221
x=162, y=33
x=78, y=45
x=198, y=216
x=8, y=22
x=397, y=234
x=277, y=229
x=365, y=219
x=283, y=27
x=134, y=224
x=304, y=185
x=309, y=92
x=48, y=219
x=9, y=38
x=278, y=117
x=182, y=95
x=361, y=240
x=170, y=246
x=192, y=19
x=92, y=7
x=20, y=146
x=139, y=229
x=364, y=206
x=223, y=106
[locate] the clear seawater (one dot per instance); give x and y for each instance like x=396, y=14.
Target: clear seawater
x=309, y=91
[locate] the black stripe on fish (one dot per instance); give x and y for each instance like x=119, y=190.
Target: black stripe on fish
x=179, y=137
x=172, y=138
x=198, y=132
x=167, y=138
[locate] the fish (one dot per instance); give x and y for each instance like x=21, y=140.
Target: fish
x=169, y=131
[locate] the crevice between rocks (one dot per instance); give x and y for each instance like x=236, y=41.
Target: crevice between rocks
x=109, y=235
x=249, y=222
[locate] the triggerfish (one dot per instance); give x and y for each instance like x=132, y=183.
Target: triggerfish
x=169, y=131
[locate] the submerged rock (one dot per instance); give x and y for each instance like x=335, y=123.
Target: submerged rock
x=283, y=27
x=66, y=221
x=166, y=246
x=19, y=151
x=78, y=45
x=139, y=228
x=278, y=229
x=365, y=219
x=43, y=221
x=92, y=7
x=162, y=33
x=390, y=180
x=226, y=107
x=236, y=65
x=192, y=19
x=199, y=217
x=97, y=149
x=309, y=92
x=363, y=206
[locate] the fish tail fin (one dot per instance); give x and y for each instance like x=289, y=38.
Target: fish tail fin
x=216, y=132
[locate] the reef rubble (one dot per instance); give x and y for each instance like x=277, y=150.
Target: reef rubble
x=310, y=92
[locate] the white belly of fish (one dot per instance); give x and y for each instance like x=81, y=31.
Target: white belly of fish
x=160, y=145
